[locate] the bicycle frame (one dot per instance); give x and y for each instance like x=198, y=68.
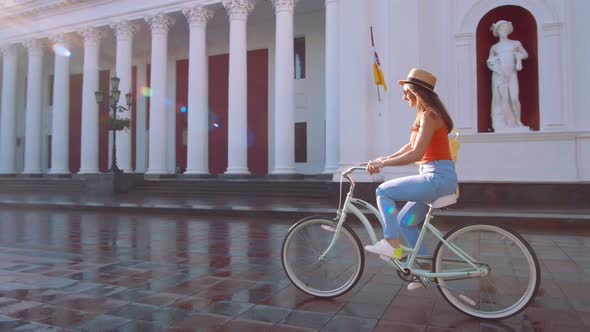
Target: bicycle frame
x=353, y=205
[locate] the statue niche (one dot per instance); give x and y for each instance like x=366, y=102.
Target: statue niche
x=505, y=61
x=507, y=71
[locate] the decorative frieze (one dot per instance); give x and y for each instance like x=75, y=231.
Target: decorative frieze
x=284, y=5
x=160, y=23
x=7, y=48
x=91, y=35
x=61, y=39
x=124, y=30
x=35, y=46
x=238, y=9
x=198, y=16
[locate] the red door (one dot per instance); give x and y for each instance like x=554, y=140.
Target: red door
x=257, y=112
x=103, y=112
x=75, y=132
x=218, y=93
x=181, y=113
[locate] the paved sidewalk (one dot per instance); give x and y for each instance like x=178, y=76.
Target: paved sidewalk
x=89, y=271
x=252, y=206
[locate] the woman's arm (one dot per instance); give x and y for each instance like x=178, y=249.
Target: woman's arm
x=402, y=150
x=429, y=123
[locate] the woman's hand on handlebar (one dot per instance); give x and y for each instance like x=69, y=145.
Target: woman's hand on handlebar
x=375, y=166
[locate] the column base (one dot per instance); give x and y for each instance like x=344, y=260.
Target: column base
x=157, y=171
x=89, y=171
x=31, y=171
x=237, y=171
x=283, y=170
x=197, y=171
x=59, y=172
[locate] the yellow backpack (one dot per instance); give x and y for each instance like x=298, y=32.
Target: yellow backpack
x=454, y=147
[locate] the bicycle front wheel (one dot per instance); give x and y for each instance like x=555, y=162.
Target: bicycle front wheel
x=512, y=278
x=331, y=275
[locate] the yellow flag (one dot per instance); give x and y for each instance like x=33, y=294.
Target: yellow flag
x=378, y=76
x=377, y=72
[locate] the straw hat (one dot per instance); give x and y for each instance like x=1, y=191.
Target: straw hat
x=420, y=77
x=498, y=24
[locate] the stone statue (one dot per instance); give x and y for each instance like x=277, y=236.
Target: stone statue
x=505, y=60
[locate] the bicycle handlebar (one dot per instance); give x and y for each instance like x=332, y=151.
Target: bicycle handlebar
x=361, y=167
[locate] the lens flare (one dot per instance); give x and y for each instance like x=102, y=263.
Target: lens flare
x=183, y=109
x=411, y=219
x=216, y=125
x=146, y=91
x=61, y=50
x=390, y=210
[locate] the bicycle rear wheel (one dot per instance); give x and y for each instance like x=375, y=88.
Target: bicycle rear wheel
x=331, y=276
x=511, y=282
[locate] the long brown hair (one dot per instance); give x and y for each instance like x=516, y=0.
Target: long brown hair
x=428, y=100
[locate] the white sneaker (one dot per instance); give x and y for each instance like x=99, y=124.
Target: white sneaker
x=414, y=285
x=383, y=248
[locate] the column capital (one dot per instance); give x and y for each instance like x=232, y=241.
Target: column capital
x=160, y=23
x=61, y=39
x=238, y=9
x=92, y=36
x=124, y=30
x=198, y=16
x=7, y=49
x=284, y=5
x=35, y=46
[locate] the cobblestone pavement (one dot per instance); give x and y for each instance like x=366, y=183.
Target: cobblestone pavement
x=104, y=271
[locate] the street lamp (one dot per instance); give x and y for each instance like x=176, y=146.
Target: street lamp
x=114, y=96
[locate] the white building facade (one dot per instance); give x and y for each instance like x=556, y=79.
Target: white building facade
x=281, y=86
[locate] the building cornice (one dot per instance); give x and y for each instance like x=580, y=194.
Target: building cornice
x=24, y=9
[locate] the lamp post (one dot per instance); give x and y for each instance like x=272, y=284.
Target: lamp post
x=113, y=100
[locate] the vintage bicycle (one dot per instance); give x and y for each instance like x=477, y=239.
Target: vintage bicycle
x=484, y=270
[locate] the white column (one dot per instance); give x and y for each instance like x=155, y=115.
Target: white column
x=238, y=11
x=332, y=113
x=354, y=81
x=33, y=119
x=159, y=24
x=141, y=119
x=284, y=108
x=8, y=114
x=61, y=106
x=90, y=119
x=124, y=32
x=198, y=110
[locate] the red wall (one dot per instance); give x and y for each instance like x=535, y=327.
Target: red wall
x=181, y=118
x=218, y=93
x=525, y=30
x=75, y=132
x=133, y=115
x=103, y=112
x=257, y=112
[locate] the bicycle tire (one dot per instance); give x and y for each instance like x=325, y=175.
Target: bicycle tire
x=477, y=302
x=347, y=242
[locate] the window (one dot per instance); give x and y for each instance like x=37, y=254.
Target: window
x=299, y=57
x=301, y=142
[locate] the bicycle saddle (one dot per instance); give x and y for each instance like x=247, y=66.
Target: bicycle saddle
x=444, y=201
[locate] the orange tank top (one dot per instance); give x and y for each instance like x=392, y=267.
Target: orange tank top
x=438, y=149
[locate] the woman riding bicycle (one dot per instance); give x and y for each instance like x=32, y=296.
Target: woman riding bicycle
x=429, y=148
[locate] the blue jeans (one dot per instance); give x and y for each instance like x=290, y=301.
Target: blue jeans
x=436, y=179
